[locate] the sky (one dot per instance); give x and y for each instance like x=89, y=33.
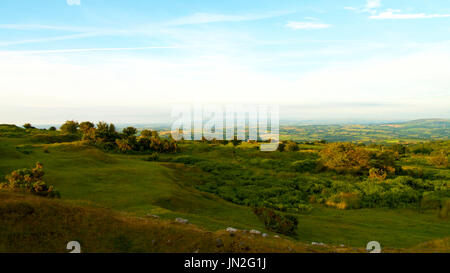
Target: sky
x=131, y=61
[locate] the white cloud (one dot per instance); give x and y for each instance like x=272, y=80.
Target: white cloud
x=373, y=4
x=417, y=80
x=372, y=7
x=73, y=2
x=307, y=25
x=396, y=14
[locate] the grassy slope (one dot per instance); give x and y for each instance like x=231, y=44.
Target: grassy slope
x=85, y=175
x=34, y=224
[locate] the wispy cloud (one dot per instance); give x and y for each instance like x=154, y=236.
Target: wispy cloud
x=204, y=18
x=48, y=39
x=76, y=50
x=396, y=14
x=43, y=27
x=307, y=25
x=372, y=7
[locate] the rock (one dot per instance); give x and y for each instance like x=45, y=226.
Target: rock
x=181, y=220
x=276, y=236
x=152, y=216
x=219, y=242
x=196, y=251
x=231, y=230
x=317, y=244
x=254, y=231
x=264, y=235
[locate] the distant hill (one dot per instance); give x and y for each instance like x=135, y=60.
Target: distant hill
x=427, y=123
x=398, y=132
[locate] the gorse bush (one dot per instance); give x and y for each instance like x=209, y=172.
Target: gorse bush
x=345, y=157
x=105, y=136
x=29, y=180
x=277, y=222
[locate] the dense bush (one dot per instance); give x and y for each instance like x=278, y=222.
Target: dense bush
x=345, y=157
x=277, y=222
x=106, y=137
x=70, y=127
x=29, y=180
x=306, y=165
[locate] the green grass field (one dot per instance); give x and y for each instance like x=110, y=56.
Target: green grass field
x=87, y=176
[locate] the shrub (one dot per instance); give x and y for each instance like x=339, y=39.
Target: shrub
x=70, y=127
x=345, y=200
x=277, y=222
x=344, y=157
x=29, y=180
x=306, y=165
x=440, y=160
x=123, y=145
x=152, y=157
x=291, y=147
x=377, y=174
x=28, y=126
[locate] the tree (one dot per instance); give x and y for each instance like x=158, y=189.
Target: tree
x=28, y=126
x=146, y=133
x=85, y=126
x=105, y=132
x=129, y=131
x=70, y=127
x=384, y=161
x=52, y=128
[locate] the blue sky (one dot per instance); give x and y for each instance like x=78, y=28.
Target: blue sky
x=321, y=59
